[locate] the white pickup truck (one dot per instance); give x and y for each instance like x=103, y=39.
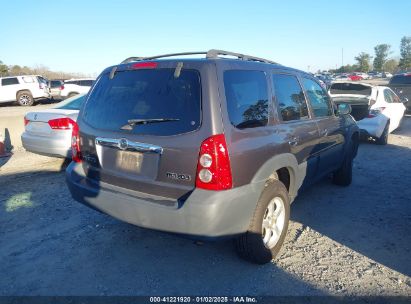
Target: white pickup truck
x=23, y=89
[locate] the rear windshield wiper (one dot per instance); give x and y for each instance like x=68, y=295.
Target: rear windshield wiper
x=133, y=122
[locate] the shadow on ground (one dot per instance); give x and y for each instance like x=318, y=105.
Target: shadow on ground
x=51, y=245
x=38, y=102
x=374, y=222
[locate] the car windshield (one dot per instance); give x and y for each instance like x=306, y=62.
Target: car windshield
x=55, y=83
x=152, y=95
x=73, y=103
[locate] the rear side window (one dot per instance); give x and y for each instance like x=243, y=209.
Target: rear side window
x=247, y=98
x=401, y=79
x=144, y=95
x=391, y=97
x=318, y=98
x=290, y=98
x=388, y=97
x=9, y=81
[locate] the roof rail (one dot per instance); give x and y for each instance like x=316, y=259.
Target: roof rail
x=211, y=54
x=130, y=59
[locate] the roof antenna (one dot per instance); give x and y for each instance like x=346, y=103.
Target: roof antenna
x=177, y=72
x=112, y=73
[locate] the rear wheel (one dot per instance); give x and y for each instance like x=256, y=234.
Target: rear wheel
x=24, y=98
x=266, y=234
x=383, y=139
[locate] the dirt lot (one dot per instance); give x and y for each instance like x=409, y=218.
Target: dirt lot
x=342, y=241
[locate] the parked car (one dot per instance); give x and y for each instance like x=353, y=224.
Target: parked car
x=201, y=147
x=24, y=90
x=56, y=86
x=386, y=75
x=354, y=77
x=401, y=85
x=76, y=86
x=377, y=109
x=362, y=75
x=372, y=75
x=341, y=77
x=48, y=132
x=325, y=79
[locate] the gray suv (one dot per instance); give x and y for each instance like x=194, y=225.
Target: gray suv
x=209, y=147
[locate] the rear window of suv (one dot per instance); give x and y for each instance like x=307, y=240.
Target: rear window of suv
x=145, y=95
x=9, y=81
x=401, y=79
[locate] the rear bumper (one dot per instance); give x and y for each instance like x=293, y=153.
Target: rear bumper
x=204, y=213
x=46, y=145
x=373, y=126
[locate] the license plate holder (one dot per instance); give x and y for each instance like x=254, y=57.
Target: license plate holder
x=129, y=161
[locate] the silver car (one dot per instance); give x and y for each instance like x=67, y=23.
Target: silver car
x=48, y=132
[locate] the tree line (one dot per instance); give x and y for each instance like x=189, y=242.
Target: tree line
x=381, y=62
x=16, y=70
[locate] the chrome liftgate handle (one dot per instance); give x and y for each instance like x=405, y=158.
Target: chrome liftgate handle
x=126, y=145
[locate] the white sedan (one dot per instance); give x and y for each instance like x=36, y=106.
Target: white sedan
x=377, y=109
x=48, y=132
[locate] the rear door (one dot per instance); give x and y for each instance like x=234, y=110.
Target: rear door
x=300, y=131
x=331, y=130
x=153, y=159
x=394, y=108
x=9, y=88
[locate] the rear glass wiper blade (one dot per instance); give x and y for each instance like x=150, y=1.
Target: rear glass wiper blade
x=133, y=122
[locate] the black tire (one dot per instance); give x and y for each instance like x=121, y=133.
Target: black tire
x=343, y=175
x=383, y=139
x=250, y=245
x=72, y=94
x=24, y=98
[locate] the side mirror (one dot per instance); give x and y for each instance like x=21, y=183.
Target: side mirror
x=343, y=109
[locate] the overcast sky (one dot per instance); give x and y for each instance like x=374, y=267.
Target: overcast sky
x=87, y=36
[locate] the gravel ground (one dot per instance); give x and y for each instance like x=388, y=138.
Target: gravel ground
x=341, y=241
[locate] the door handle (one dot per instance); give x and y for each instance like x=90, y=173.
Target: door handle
x=293, y=141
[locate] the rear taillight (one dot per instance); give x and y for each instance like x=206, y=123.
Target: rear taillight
x=213, y=168
x=26, y=121
x=64, y=123
x=145, y=65
x=62, y=87
x=75, y=144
